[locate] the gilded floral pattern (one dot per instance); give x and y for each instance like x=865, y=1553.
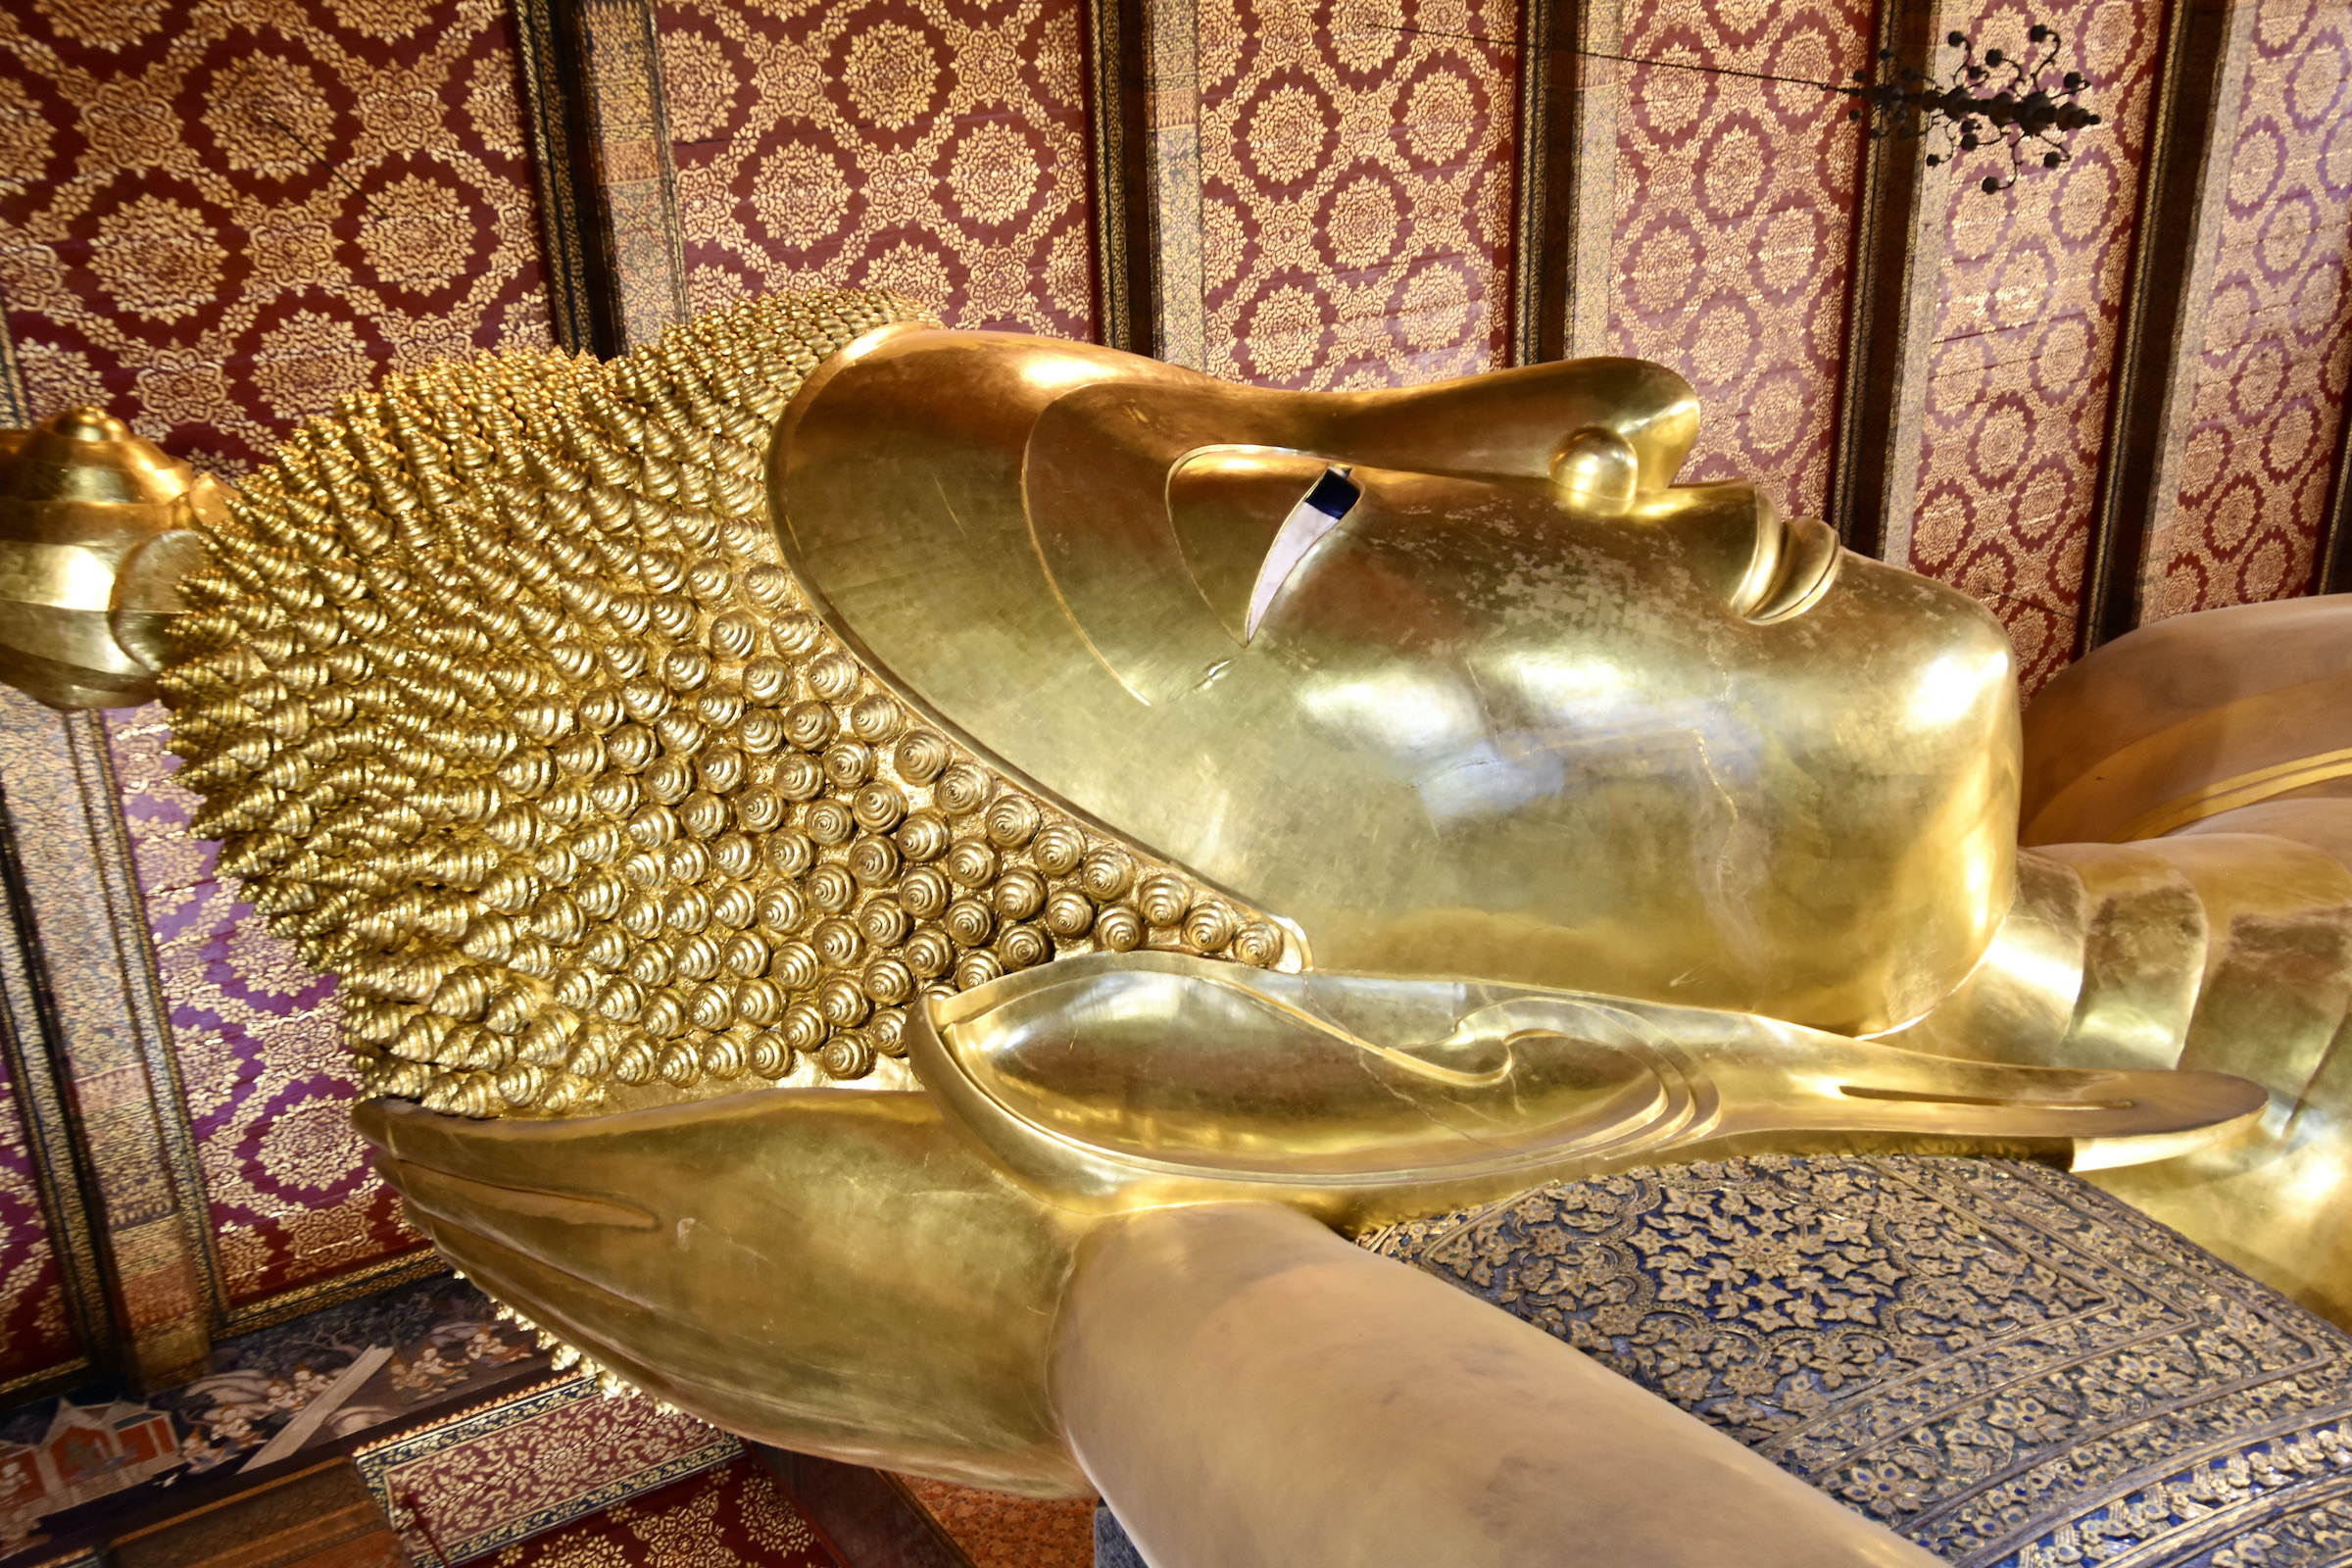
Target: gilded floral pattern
x=2002, y=1362
x=935, y=147
x=2023, y=352
x=1735, y=223
x=2278, y=339
x=214, y=221
x=733, y=1517
x=1355, y=188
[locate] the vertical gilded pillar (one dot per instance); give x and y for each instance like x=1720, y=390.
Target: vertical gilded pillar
x=83, y=987
x=636, y=173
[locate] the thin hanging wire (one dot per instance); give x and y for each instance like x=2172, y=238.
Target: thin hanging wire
x=1997, y=102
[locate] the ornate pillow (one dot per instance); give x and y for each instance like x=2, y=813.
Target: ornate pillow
x=1996, y=1359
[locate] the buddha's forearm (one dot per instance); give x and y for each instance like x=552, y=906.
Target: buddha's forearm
x=2224, y=945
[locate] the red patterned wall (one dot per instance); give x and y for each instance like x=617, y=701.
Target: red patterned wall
x=175, y=245
x=212, y=222
x=936, y=147
x=34, y=1330
x=258, y=1037
x=1735, y=223
x=1356, y=167
x=2278, y=341
x=2024, y=348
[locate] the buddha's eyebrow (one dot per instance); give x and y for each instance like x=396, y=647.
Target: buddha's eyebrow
x=1318, y=512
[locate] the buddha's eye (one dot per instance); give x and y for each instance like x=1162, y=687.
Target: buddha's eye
x=1246, y=517
x=1318, y=512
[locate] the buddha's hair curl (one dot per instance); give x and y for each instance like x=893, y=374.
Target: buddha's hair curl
x=508, y=710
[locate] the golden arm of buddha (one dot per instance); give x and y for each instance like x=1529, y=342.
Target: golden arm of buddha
x=1189, y=803
x=2186, y=901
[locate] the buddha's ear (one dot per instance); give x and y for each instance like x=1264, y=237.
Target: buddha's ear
x=1125, y=1080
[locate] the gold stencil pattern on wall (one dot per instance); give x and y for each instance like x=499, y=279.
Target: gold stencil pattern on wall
x=1355, y=166
x=213, y=221
x=933, y=147
x=2278, y=340
x=1735, y=219
x=257, y=1040
x=35, y=1332
x=2023, y=353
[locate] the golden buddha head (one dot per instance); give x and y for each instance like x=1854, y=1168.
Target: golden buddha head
x=640, y=732
x=1454, y=679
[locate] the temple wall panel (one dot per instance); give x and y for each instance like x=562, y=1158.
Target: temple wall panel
x=256, y=1039
x=2023, y=347
x=936, y=147
x=2270, y=369
x=37, y=1331
x=1351, y=203
x=215, y=221
x=1734, y=221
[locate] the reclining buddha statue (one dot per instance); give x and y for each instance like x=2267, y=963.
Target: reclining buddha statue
x=967, y=902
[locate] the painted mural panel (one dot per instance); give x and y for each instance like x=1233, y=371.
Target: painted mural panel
x=936, y=147
x=1734, y=226
x=36, y=1331
x=1355, y=188
x=214, y=220
x=2278, y=339
x=257, y=1040
x=2023, y=354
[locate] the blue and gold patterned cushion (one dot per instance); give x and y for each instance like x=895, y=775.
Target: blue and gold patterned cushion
x=1996, y=1359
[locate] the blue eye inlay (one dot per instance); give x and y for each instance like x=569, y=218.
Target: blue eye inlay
x=1332, y=494
x=1316, y=515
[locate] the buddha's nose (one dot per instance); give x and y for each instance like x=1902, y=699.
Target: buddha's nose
x=1768, y=568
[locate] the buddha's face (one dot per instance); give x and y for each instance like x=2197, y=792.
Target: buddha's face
x=1454, y=679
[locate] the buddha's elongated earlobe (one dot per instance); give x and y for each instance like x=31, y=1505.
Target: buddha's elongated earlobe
x=1139, y=1079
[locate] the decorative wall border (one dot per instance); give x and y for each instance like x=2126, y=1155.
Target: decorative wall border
x=1541, y=184
x=1122, y=175
x=626, y=115
x=1565, y=186
x=88, y=972
x=63, y=1179
x=582, y=302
